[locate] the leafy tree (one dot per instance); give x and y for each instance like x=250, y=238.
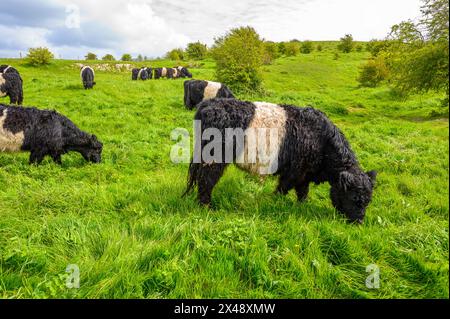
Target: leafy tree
x=39, y=56
x=375, y=47
x=175, y=54
x=292, y=48
x=306, y=47
x=108, y=57
x=139, y=58
x=319, y=48
x=239, y=57
x=373, y=72
x=126, y=57
x=346, y=44
x=282, y=48
x=271, y=52
x=91, y=56
x=196, y=51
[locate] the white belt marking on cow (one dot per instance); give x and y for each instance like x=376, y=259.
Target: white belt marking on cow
x=86, y=67
x=211, y=90
x=7, y=68
x=9, y=142
x=179, y=68
x=264, y=139
x=175, y=73
x=139, y=73
x=2, y=81
x=163, y=72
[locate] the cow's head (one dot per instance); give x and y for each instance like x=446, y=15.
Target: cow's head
x=92, y=151
x=352, y=193
x=185, y=73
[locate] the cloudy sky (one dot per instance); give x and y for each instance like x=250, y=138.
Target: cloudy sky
x=70, y=28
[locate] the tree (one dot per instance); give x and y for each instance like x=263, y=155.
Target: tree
x=108, y=57
x=307, y=47
x=39, y=56
x=196, y=51
x=239, y=57
x=319, y=48
x=271, y=52
x=126, y=57
x=91, y=56
x=373, y=72
x=346, y=44
x=139, y=58
x=175, y=54
x=292, y=48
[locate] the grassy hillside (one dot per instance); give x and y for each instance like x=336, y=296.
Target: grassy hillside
x=132, y=236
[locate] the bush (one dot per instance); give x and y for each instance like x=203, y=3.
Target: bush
x=319, y=48
x=239, y=57
x=126, y=57
x=39, y=56
x=377, y=46
x=292, y=48
x=359, y=48
x=196, y=51
x=307, y=47
x=108, y=57
x=346, y=44
x=91, y=56
x=271, y=52
x=373, y=72
x=175, y=54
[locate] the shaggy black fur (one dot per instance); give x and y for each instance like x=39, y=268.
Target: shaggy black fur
x=50, y=133
x=12, y=87
x=194, y=92
x=143, y=76
x=88, y=78
x=149, y=73
x=9, y=69
x=314, y=151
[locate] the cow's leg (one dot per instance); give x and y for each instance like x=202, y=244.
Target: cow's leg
x=37, y=156
x=302, y=190
x=56, y=156
x=13, y=99
x=209, y=176
x=285, y=184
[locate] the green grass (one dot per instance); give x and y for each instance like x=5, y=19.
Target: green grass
x=125, y=225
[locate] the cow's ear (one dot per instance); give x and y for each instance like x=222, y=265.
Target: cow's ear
x=346, y=179
x=373, y=177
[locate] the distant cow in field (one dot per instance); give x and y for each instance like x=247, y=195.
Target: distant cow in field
x=196, y=91
x=44, y=132
x=173, y=73
x=139, y=74
x=160, y=73
x=87, y=76
x=305, y=147
x=184, y=72
x=11, y=85
x=149, y=73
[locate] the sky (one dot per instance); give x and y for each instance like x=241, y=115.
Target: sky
x=71, y=28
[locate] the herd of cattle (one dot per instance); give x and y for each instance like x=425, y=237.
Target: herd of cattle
x=309, y=148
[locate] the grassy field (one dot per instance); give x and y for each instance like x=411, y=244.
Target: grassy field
x=125, y=225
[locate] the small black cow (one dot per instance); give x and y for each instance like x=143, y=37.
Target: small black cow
x=11, y=85
x=44, y=132
x=87, y=76
x=306, y=147
x=140, y=74
x=196, y=91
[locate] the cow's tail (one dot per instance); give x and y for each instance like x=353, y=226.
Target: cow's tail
x=195, y=171
x=187, y=100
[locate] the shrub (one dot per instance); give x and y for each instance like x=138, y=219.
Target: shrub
x=108, y=57
x=196, y=51
x=346, y=44
x=319, y=48
x=239, y=57
x=373, y=72
x=307, y=47
x=359, y=48
x=91, y=56
x=292, y=48
x=271, y=52
x=39, y=56
x=175, y=54
x=126, y=57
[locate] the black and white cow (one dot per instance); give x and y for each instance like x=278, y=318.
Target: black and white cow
x=11, y=85
x=149, y=73
x=184, y=72
x=305, y=147
x=196, y=91
x=139, y=74
x=160, y=73
x=173, y=73
x=44, y=132
x=87, y=76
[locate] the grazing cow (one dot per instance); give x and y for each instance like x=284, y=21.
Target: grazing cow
x=184, y=72
x=139, y=74
x=149, y=73
x=44, y=132
x=173, y=73
x=306, y=147
x=87, y=76
x=160, y=73
x=196, y=91
x=11, y=85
